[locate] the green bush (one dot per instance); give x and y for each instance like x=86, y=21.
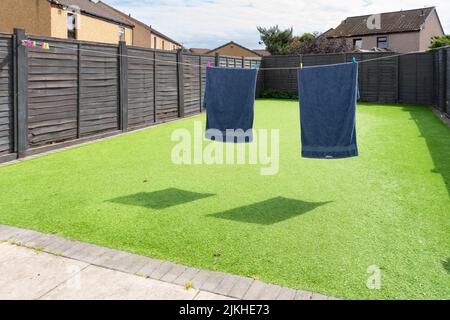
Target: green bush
x=280, y=94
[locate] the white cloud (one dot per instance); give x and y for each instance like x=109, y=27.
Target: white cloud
x=210, y=23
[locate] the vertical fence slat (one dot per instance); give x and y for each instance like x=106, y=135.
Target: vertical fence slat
x=79, y=57
x=447, y=80
x=200, y=82
x=21, y=78
x=154, y=86
x=180, y=82
x=123, y=85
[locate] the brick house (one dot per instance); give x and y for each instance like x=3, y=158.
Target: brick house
x=400, y=31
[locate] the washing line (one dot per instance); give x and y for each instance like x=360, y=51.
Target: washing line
x=205, y=66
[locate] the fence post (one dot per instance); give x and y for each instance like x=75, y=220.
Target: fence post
x=79, y=93
x=217, y=60
x=397, y=74
x=154, y=86
x=446, y=81
x=123, y=83
x=180, y=83
x=200, y=72
x=20, y=93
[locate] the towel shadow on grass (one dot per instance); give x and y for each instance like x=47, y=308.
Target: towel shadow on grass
x=161, y=199
x=446, y=265
x=270, y=211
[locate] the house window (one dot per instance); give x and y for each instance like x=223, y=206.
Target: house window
x=382, y=42
x=357, y=44
x=154, y=43
x=121, y=34
x=71, y=30
x=163, y=45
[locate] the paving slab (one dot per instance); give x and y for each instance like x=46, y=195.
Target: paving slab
x=149, y=267
x=173, y=273
x=213, y=281
x=270, y=292
x=96, y=283
x=200, y=278
x=227, y=283
x=255, y=290
x=286, y=294
x=186, y=276
x=241, y=287
x=163, y=268
x=208, y=296
x=303, y=295
x=27, y=274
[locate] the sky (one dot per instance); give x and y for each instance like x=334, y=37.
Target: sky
x=211, y=23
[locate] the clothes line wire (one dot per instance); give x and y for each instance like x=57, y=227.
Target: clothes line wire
x=205, y=66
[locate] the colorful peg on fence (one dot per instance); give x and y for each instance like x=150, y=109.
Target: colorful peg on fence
x=301, y=65
x=210, y=64
x=354, y=59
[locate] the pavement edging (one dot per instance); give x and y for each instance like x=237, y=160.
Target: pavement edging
x=224, y=284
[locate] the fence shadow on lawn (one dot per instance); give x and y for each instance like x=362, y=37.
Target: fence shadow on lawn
x=270, y=211
x=162, y=199
x=436, y=135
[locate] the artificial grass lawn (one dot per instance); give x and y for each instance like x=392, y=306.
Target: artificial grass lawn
x=317, y=225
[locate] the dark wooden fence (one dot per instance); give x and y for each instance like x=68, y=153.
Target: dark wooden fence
x=79, y=91
x=6, y=96
x=414, y=78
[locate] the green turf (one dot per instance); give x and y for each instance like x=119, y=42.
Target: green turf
x=317, y=225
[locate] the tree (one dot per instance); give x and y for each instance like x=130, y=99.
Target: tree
x=439, y=42
x=277, y=41
x=319, y=44
x=307, y=36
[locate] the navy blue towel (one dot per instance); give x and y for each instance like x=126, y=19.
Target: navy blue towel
x=328, y=96
x=229, y=103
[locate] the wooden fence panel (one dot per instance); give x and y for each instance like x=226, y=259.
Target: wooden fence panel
x=192, y=83
x=204, y=63
x=6, y=96
x=377, y=79
x=166, y=86
x=447, y=82
x=53, y=93
x=407, y=74
x=141, y=107
x=281, y=79
x=424, y=76
x=99, y=89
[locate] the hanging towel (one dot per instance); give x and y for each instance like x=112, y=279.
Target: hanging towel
x=328, y=96
x=229, y=102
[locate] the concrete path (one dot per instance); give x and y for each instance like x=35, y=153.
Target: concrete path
x=34, y=265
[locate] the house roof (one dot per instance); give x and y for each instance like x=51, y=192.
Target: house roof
x=201, y=51
x=132, y=20
x=236, y=44
x=91, y=8
x=391, y=22
x=262, y=52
